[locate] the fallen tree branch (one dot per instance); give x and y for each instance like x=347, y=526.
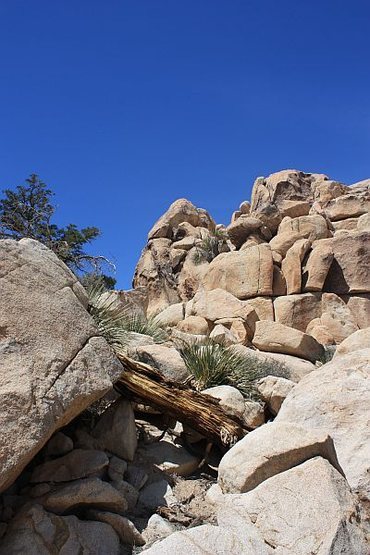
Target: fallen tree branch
x=200, y=412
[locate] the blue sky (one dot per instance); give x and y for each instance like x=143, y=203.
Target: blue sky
x=124, y=106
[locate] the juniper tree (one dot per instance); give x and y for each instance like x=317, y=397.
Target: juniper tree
x=27, y=211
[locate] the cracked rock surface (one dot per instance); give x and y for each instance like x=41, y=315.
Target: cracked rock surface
x=47, y=374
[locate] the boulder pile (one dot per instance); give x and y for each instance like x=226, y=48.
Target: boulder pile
x=286, y=286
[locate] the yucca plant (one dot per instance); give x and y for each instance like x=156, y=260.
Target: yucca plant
x=213, y=364
x=210, y=247
x=118, y=324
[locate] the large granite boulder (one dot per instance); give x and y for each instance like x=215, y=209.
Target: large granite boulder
x=307, y=509
x=245, y=274
x=53, y=362
x=336, y=399
x=269, y=450
x=350, y=268
x=277, y=338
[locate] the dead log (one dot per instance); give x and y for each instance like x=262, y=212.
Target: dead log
x=200, y=412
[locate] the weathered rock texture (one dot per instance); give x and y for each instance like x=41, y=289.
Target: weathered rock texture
x=53, y=364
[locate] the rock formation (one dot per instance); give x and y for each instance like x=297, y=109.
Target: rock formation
x=285, y=286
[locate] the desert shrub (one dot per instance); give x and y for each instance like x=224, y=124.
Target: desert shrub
x=116, y=323
x=213, y=364
x=211, y=246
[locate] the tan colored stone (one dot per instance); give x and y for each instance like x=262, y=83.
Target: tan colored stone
x=254, y=414
x=252, y=241
x=263, y=307
x=53, y=364
x=273, y=391
x=115, y=430
x=291, y=266
x=359, y=306
x=239, y=230
x=191, y=276
x=320, y=332
x=245, y=274
x=171, y=315
x=167, y=360
x=363, y=222
x=279, y=283
x=350, y=224
x=245, y=207
x=185, y=244
x=337, y=317
x=275, y=337
x=218, y=303
x=154, y=272
x=297, y=311
x=335, y=399
x=180, y=211
x=308, y=227
x=294, y=208
x=306, y=509
x=282, y=242
x=297, y=368
x=326, y=190
x=348, y=206
x=231, y=400
x=125, y=529
x=318, y=265
x=356, y=342
x=89, y=492
x=79, y=463
x=221, y=334
x=177, y=256
x=270, y=450
x=281, y=186
x=350, y=270
x=194, y=324
x=59, y=444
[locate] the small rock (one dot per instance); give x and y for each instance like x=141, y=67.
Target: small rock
x=157, y=494
x=254, y=414
x=157, y=529
x=128, y=491
x=59, y=444
x=39, y=490
x=91, y=492
x=116, y=430
x=231, y=400
x=79, y=463
x=220, y=334
x=117, y=468
x=214, y=495
x=136, y=476
x=273, y=391
x=166, y=360
x=170, y=458
x=126, y=530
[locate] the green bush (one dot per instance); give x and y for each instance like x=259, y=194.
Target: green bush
x=116, y=323
x=210, y=247
x=213, y=364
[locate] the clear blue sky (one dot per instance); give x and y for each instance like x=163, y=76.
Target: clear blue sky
x=123, y=106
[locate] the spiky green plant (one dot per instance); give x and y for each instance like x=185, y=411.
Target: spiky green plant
x=213, y=364
x=210, y=246
x=118, y=324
